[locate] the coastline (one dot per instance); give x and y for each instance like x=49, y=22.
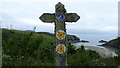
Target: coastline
x=116, y=50
x=102, y=51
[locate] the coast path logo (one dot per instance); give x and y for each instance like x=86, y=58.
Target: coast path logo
x=60, y=17
x=61, y=48
x=60, y=34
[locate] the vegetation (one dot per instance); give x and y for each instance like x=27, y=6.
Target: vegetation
x=114, y=45
x=115, y=41
x=26, y=49
x=82, y=57
x=69, y=38
x=23, y=48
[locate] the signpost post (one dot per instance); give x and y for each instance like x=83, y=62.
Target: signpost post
x=59, y=18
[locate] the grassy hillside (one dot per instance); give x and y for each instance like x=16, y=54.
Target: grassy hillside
x=27, y=48
x=23, y=48
x=113, y=44
x=69, y=38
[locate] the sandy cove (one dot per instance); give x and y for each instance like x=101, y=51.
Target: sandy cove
x=103, y=52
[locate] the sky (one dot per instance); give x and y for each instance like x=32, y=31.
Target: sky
x=97, y=16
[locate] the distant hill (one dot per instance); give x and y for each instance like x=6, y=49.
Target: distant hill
x=70, y=38
x=115, y=43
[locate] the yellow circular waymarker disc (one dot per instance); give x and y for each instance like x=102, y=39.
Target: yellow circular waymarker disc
x=60, y=34
x=61, y=48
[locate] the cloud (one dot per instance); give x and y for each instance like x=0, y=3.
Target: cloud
x=60, y=1
x=99, y=16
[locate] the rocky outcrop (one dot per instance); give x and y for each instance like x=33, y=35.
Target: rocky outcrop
x=84, y=41
x=115, y=43
x=72, y=38
x=102, y=41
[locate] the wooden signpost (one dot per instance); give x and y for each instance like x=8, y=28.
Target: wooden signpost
x=59, y=18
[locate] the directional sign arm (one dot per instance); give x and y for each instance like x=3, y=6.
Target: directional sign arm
x=71, y=17
x=47, y=17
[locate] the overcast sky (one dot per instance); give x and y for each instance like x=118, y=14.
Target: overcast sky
x=97, y=16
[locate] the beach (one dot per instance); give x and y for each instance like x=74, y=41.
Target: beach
x=102, y=51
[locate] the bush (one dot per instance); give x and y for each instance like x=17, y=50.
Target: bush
x=22, y=49
x=83, y=57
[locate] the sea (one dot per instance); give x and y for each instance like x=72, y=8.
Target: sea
x=95, y=38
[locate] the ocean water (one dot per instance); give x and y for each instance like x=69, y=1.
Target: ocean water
x=95, y=38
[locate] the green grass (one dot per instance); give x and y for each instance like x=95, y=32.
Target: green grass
x=22, y=48
x=82, y=57
x=27, y=48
